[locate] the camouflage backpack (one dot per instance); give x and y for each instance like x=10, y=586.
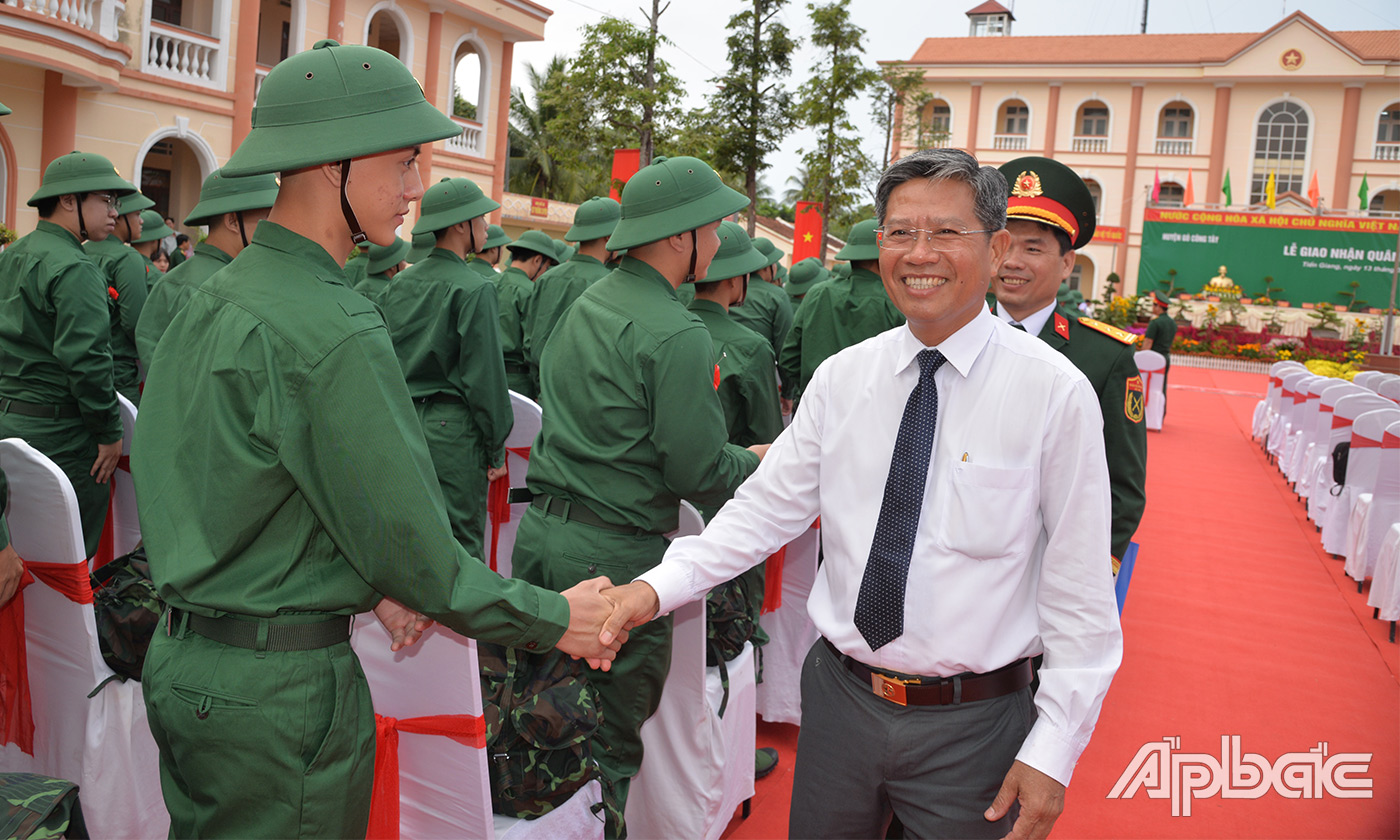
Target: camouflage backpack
x=128, y=610
x=731, y=620
x=34, y=807
x=542, y=717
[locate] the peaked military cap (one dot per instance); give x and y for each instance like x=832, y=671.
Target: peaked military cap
x=222, y=194
x=860, y=242
x=80, y=172
x=737, y=255
x=450, y=201
x=153, y=227
x=1046, y=191
x=671, y=196
x=595, y=218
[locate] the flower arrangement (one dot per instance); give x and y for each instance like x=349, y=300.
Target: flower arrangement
x=7, y=235
x=1118, y=311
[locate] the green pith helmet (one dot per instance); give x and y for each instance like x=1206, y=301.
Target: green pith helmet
x=4, y=112
x=806, y=274
x=533, y=242
x=153, y=227
x=566, y=251
x=384, y=257
x=1046, y=191
x=133, y=203
x=737, y=255
x=860, y=242
x=496, y=236
x=671, y=196
x=450, y=201
x=840, y=271
x=781, y=273
x=770, y=252
x=595, y=218
x=80, y=172
x=222, y=194
x=423, y=245
x=332, y=103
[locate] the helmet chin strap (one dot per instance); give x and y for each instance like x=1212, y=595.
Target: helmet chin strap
x=243, y=234
x=357, y=235
x=694, y=256
x=471, y=237
x=82, y=228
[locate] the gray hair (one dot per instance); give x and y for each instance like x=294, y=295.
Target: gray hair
x=989, y=188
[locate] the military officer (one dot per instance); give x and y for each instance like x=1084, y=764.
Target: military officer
x=530, y=256
x=558, y=288
x=231, y=208
x=806, y=275
x=1050, y=213
x=384, y=262
x=838, y=313
x=484, y=261
x=1161, y=331
x=614, y=458
x=443, y=320
x=284, y=483
x=127, y=285
x=153, y=230
x=56, y=387
x=766, y=311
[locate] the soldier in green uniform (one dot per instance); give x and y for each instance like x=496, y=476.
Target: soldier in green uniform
x=1161, y=331
x=766, y=310
x=443, y=320
x=231, y=208
x=423, y=245
x=357, y=265
x=1050, y=213
x=530, y=256
x=127, y=284
x=153, y=230
x=384, y=262
x=838, y=313
x=56, y=387
x=284, y=483
x=616, y=455
x=483, y=262
x=806, y=275
x=558, y=288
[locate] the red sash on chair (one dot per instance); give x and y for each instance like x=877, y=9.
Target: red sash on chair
x=498, y=500
x=16, y=715
x=773, y=576
x=469, y=730
x=106, y=545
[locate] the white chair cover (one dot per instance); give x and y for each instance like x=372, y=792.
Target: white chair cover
x=1385, y=588
x=791, y=634
x=522, y=436
x=698, y=767
x=1389, y=388
x=444, y=786
x=1367, y=438
x=1385, y=502
x=1338, y=418
x=126, y=528
x=1294, y=394
x=1267, y=409
x=103, y=744
x=1304, y=422
x=1368, y=379
x=1313, y=457
x=1362, y=465
x=1151, y=365
x=1356, y=536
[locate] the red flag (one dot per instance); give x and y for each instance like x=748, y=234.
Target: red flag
x=1190, y=191
x=1156, y=184
x=1314, y=194
x=626, y=162
x=807, y=231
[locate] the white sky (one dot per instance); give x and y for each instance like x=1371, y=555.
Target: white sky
x=895, y=28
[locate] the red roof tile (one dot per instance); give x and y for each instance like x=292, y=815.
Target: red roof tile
x=991, y=7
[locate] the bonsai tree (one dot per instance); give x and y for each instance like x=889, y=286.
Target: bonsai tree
x=1349, y=298
x=1169, y=287
x=1111, y=287
x=1271, y=292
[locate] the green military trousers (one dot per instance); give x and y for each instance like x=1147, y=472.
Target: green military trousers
x=521, y=381
x=270, y=744
x=69, y=444
x=126, y=376
x=458, y=456
x=556, y=554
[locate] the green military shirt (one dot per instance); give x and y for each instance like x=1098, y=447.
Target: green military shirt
x=170, y=295
x=443, y=321
x=514, y=289
x=686, y=294
x=356, y=268
x=554, y=292
x=748, y=377
x=280, y=469
x=127, y=275
x=373, y=285
x=55, y=329
x=152, y=274
x=483, y=268
x=646, y=364
x=833, y=316
x=1162, y=331
x=767, y=311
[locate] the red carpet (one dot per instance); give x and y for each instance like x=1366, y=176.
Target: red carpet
x=1236, y=624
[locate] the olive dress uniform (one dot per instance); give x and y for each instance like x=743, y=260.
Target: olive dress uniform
x=55, y=339
x=171, y=294
x=126, y=276
x=443, y=321
x=834, y=315
x=767, y=311
x=552, y=294
x=1162, y=331
x=514, y=289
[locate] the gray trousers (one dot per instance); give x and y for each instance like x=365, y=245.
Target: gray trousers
x=862, y=759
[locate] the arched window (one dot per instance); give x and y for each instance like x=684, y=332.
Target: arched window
x=1013, y=125
x=384, y=33
x=1385, y=201
x=1097, y=192
x=1091, y=127
x=934, y=126
x=1388, y=133
x=1176, y=128
x=1280, y=147
x=1171, y=194
x=466, y=83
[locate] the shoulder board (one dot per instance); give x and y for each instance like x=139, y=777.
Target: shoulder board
x=1110, y=330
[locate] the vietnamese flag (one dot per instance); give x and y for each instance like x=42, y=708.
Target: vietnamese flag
x=1190, y=197
x=626, y=162
x=807, y=231
x=1156, y=185
x=1314, y=194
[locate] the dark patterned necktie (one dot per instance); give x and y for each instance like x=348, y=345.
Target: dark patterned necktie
x=880, y=605
x=1018, y=326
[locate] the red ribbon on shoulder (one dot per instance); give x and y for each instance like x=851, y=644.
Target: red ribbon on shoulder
x=469, y=730
x=498, y=500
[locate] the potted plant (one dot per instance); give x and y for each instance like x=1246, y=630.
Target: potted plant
x=1329, y=323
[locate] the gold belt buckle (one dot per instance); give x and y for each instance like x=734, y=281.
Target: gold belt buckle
x=890, y=688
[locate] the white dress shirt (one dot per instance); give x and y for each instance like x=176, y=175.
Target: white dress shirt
x=1033, y=323
x=1008, y=559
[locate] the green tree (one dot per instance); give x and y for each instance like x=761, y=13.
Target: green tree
x=535, y=151
x=798, y=187
x=750, y=98
x=898, y=86
x=836, y=165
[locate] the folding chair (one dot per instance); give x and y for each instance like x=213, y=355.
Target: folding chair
x=503, y=515
x=1304, y=420
x=1152, y=365
x=1385, y=587
x=1343, y=413
x=1368, y=379
x=1266, y=410
x=1292, y=394
x=1389, y=388
x=1378, y=486
x=1313, y=458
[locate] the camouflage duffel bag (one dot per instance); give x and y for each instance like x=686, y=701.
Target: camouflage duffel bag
x=128, y=610
x=34, y=807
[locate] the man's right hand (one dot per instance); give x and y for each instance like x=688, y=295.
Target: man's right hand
x=636, y=604
x=11, y=570
x=108, y=454
x=588, y=610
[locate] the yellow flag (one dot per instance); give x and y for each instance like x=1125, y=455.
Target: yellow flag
x=1269, y=189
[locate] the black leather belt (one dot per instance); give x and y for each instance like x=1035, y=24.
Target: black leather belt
x=579, y=512
x=56, y=412
x=514, y=367
x=440, y=398
x=262, y=634
x=939, y=691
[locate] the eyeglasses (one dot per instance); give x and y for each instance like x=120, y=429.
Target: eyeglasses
x=109, y=199
x=902, y=238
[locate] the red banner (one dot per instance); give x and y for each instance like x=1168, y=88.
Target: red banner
x=539, y=207
x=1341, y=224
x=626, y=162
x=807, y=231
x=1105, y=235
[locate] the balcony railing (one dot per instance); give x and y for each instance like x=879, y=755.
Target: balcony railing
x=259, y=74
x=472, y=140
x=98, y=16
x=1387, y=151
x=1089, y=144
x=182, y=55
x=1010, y=142
x=1166, y=146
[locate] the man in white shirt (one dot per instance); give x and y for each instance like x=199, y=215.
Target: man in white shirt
x=958, y=468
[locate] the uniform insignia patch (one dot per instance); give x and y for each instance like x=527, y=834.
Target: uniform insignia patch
x=1027, y=185
x=1134, y=399
x=1062, y=326
x=1110, y=330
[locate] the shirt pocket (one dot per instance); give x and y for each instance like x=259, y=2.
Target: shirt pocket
x=989, y=512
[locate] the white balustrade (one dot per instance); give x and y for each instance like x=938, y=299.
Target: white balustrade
x=259, y=75
x=1010, y=142
x=1089, y=144
x=472, y=140
x=1175, y=147
x=1387, y=151
x=99, y=16
x=182, y=55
